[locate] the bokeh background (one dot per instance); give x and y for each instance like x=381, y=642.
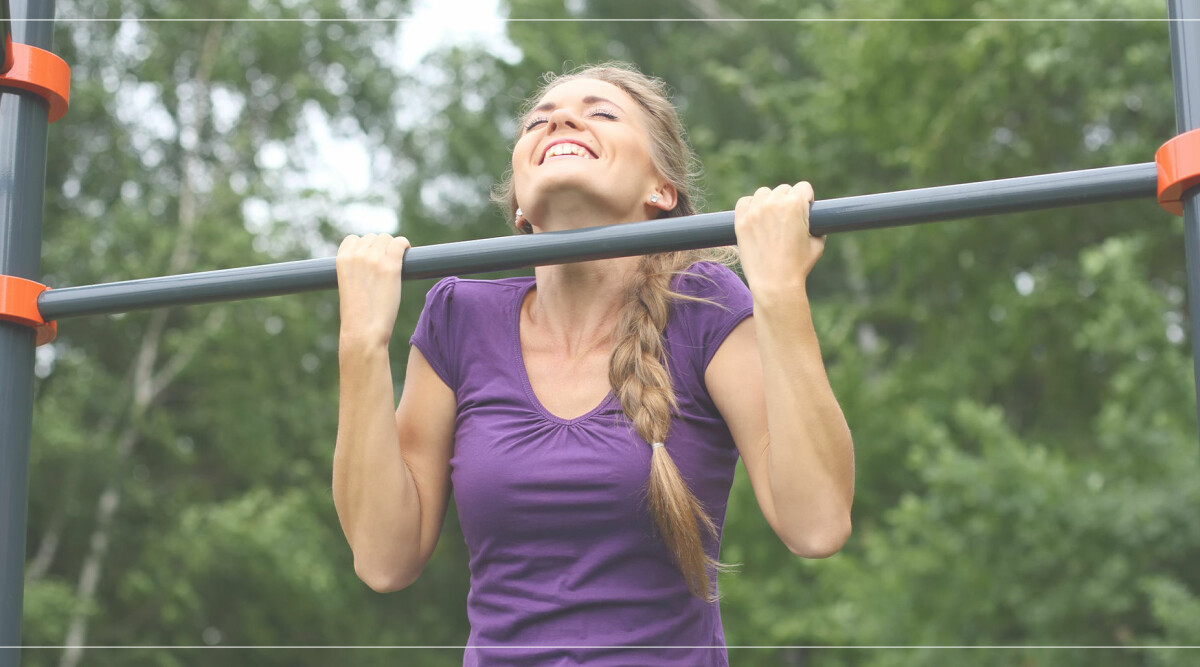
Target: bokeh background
x=1020, y=388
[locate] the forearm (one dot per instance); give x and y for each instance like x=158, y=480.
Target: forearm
x=373, y=490
x=810, y=456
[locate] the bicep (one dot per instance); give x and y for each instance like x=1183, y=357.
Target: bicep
x=734, y=379
x=425, y=423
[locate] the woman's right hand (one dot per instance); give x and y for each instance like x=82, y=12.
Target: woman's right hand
x=368, y=273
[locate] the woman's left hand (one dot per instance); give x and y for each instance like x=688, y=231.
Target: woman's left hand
x=777, y=250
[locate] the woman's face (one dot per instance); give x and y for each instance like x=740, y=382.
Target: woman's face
x=586, y=147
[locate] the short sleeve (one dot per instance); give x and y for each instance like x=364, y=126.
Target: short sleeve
x=708, y=324
x=435, y=329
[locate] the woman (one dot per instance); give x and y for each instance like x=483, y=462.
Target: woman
x=590, y=417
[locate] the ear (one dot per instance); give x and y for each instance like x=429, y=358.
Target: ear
x=668, y=197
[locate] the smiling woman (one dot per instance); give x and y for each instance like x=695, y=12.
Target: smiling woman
x=589, y=419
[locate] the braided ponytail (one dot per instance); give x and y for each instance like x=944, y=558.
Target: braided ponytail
x=641, y=380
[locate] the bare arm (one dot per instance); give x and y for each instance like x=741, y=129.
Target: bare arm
x=769, y=381
x=390, y=469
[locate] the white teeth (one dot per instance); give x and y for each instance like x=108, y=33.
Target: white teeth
x=567, y=148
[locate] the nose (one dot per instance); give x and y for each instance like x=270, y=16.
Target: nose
x=563, y=117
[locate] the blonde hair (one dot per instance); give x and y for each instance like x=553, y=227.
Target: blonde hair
x=638, y=370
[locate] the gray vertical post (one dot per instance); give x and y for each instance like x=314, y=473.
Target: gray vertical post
x=1184, y=24
x=6, y=58
x=22, y=183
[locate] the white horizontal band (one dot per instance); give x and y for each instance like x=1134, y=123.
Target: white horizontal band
x=657, y=445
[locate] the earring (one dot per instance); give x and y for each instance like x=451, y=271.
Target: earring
x=523, y=225
x=654, y=198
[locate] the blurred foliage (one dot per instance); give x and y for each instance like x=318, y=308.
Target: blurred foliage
x=1019, y=388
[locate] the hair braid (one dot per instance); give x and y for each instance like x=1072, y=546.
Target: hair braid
x=641, y=380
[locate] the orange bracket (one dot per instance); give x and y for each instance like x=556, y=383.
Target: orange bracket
x=42, y=73
x=1178, y=169
x=18, y=303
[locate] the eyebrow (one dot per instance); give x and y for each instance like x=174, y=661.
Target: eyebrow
x=590, y=99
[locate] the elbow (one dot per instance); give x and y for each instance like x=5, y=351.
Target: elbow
x=823, y=543
x=384, y=581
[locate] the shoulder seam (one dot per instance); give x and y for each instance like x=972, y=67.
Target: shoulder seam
x=497, y=282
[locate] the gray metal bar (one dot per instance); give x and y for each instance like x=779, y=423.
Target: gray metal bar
x=6, y=58
x=698, y=231
x=1184, y=25
x=22, y=184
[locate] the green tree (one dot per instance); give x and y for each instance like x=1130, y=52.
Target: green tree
x=182, y=457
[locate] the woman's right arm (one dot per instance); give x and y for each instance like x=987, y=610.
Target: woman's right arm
x=391, y=470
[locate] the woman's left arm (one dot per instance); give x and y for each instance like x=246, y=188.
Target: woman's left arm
x=769, y=382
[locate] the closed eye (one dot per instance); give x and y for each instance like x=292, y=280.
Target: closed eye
x=538, y=120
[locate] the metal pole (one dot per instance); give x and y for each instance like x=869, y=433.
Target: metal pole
x=6, y=58
x=1184, y=24
x=698, y=231
x=22, y=183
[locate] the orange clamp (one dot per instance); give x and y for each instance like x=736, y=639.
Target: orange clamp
x=42, y=73
x=18, y=303
x=1178, y=169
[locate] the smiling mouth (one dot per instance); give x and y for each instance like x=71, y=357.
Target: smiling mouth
x=567, y=149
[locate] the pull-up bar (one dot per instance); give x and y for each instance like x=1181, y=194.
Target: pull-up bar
x=875, y=211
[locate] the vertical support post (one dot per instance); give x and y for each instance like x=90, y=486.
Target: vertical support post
x=23, y=125
x=1184, y=26
x=6, y=57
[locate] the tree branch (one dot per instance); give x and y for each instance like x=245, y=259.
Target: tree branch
x=47, y=548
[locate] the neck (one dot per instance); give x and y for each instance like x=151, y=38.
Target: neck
x=578, y=211
x=576, y=305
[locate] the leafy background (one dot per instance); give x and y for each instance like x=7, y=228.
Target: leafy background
x=1019, y=388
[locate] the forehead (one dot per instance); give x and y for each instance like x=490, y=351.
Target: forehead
x=576, y=90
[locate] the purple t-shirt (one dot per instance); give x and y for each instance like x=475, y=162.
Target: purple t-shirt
x=565, y=566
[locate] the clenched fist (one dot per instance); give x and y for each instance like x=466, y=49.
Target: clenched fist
x=368, y=272
x=776, y=247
